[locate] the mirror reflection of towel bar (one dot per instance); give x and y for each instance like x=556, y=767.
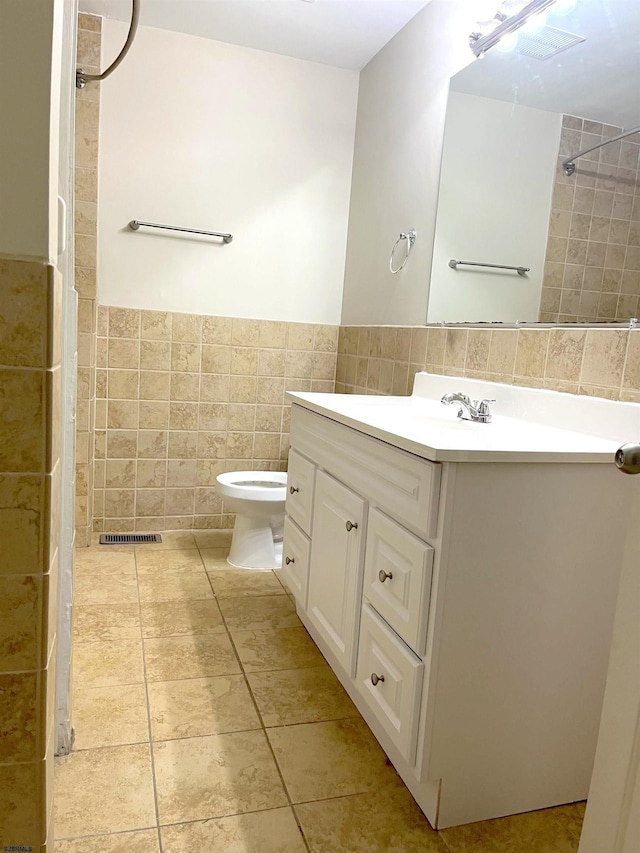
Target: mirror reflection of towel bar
x=520, y=270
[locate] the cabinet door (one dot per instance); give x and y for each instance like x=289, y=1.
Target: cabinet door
x=295, y=561
x=301, y=474
x=335, y=572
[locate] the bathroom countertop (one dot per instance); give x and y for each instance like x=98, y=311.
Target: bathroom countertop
x=540, y=426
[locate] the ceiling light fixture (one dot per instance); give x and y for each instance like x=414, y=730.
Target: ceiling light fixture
x=510, y=16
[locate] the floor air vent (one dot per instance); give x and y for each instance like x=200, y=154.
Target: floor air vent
x=129, y=538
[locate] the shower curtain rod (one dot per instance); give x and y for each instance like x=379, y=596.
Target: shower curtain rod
x=82, y=79
x=570, y=166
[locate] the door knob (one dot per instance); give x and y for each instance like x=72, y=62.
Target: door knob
x=628, y=458
x=351, y=525
x=292, y=490
x=289, y=560
x=383, y=576
x=375, y=679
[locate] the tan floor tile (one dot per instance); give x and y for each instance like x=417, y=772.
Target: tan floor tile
x=259, y=613
x=274, y=831
x=103, y=561
x=278, y=574
x=216, y=558
x=192, y=707
x=110, y=716
x=215, y=776
x=108, y=663
x=104, y=790
x=287, y=648
x=180, y=539
x=235, y=583
x=300, y=696
x=191, y=656
x=548, y=831
x=93, y=622
x=107, y=589
x=158, y=562
x=333, y=759
x=145, y=841
x=176, y=586
x=173, y=618
x=388, y=822
x=213, y=538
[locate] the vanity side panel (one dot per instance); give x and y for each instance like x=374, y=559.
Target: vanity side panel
x=527, y=581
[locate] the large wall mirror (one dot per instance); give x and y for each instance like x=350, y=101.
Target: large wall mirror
x=556, y=87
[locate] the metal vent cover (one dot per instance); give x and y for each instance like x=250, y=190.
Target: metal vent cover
x=129, y=538
x=546, y=43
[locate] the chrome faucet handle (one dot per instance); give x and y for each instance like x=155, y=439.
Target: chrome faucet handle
x=483, y=410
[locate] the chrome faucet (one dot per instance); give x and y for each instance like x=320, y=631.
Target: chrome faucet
x=470, y=410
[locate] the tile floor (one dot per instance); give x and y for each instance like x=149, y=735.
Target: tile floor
x=207, y=722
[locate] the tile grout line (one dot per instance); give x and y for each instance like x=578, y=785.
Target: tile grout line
x=263, y=727
x=148, y=706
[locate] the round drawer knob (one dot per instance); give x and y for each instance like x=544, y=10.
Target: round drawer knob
x=383, y=576
x=289, y=560
x=351, y=525
x=293, y=490
x=375, y=679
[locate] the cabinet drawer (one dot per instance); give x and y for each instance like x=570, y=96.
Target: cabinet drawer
x=402, y=485
x=295, y=561
x=395, y=698
x=300, y=478
x=397, y=583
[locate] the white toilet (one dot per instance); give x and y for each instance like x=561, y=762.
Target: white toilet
x=257, y=498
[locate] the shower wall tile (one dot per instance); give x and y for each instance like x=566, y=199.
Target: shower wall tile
x=594, y=229
x=30, y=318
x=183, y=397
x=85, y=235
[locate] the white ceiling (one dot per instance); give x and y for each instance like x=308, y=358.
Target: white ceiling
x=598, y=79
x=343, y=33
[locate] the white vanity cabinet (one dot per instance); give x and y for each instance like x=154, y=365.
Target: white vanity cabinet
x=465, y=606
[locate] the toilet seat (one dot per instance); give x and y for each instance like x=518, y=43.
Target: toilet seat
x=253, y=485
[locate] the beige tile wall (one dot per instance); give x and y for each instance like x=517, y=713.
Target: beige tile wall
x=592, y=267
x=183, y=397
x=30, y=383
x=86, y=197
x=597, y=362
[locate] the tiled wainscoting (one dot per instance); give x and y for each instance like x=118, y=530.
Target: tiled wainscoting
x=183, y=397
x=592, y=267
x=30, y=418
x=596, y=362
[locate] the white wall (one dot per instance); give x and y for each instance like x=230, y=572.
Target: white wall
x=497, y=176
x=208, y=135
x=401, y=114
x=30, y=56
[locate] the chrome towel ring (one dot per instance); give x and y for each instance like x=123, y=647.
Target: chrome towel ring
x=410, y=237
